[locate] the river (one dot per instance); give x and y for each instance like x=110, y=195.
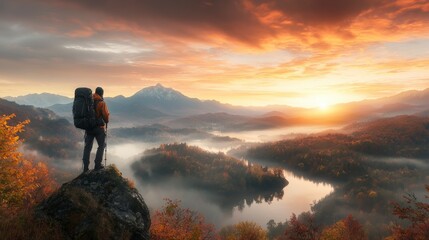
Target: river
x=298, y=196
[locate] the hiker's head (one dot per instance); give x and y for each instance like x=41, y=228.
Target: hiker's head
x=99, y=91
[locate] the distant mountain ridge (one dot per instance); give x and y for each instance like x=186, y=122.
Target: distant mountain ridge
x=40, y=99
x=159, y=94
x=154, y=104
x=159, y=104
x=411, y=97
x=173, y=102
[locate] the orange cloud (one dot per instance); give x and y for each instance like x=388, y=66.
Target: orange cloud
x=212, y=47
x=305, y=24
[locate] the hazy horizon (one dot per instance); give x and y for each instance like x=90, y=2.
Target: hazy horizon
x=220, y=100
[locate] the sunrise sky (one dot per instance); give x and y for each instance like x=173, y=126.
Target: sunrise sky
x=244, y=52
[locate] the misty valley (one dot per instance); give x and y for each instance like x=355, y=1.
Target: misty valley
x=264, y=165
x=214, y=119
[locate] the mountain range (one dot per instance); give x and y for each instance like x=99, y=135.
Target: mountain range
x=155, y=104
x=159, y=104
x=40, y=99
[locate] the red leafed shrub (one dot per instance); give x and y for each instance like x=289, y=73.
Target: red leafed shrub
x=417, y=214
x=173, y=222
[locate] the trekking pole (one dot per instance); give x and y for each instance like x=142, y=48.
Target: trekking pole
x=105, y=149
x=84, y=137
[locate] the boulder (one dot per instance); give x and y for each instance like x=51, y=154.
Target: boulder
x=98, y=205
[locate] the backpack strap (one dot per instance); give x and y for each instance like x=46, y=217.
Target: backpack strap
x=99, y=120
x=96, y=103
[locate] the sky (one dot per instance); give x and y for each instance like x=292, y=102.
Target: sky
x=244, y=52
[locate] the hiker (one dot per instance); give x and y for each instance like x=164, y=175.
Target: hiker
x=99, y=132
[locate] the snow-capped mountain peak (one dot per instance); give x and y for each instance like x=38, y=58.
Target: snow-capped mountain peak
x=159, y=92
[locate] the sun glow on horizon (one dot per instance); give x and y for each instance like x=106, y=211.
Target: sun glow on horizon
x=323, y=106
x=323, y=102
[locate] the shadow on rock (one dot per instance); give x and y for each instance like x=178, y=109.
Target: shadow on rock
x=98, y=205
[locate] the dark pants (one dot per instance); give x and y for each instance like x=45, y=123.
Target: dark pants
x=100, y=135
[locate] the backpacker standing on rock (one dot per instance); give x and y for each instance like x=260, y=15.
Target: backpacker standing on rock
x=91, y=113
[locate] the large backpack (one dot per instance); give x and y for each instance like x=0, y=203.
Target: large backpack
x=84, y=109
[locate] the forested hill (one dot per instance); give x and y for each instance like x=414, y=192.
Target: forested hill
x=403, y=136
x=371, y=164
x=341, y=156
x=51, y=135
x=215, y=172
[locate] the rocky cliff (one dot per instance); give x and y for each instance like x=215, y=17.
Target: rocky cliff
x=98, y=205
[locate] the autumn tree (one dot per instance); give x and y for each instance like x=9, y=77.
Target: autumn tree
x=243, y=231
x=301, y=228
x=22, y=182
x=417, y=214
x=345, y=229
x=173, y=222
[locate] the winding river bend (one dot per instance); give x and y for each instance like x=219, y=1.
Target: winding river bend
x=298, y=195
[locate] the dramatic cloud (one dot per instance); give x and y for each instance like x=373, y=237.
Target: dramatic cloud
x=288, y=23
x=323, y=12
x=189, y=19
x=247, y=51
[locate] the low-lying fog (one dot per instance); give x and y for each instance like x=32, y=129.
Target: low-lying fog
x=298, y=196
x=276, y=134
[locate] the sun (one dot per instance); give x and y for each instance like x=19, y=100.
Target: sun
x=323, y=106
x=323, y=102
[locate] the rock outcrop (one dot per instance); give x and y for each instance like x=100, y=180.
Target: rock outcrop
x=98, y=205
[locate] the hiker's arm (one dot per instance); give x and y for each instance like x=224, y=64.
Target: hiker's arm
x=105, y=112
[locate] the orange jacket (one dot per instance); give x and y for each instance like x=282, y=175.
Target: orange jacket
x=101, y=108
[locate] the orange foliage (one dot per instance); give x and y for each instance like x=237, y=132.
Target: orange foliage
x=22, y=182
x=175, y=223
x=345, y=229
x=417, y=213
x=243, y=231
x=301, y=228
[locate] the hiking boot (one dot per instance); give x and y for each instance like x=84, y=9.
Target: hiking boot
x=85, y=169
x=98, y=167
